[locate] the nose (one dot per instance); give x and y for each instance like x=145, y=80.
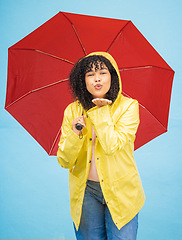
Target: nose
x=97, y=77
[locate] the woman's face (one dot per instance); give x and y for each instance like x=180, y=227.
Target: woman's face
x=98, y=81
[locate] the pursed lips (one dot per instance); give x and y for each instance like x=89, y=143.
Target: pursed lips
x=98, y=86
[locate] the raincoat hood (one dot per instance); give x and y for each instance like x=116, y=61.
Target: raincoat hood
x=113, y=62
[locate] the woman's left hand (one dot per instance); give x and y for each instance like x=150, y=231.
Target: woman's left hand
x=100, y=102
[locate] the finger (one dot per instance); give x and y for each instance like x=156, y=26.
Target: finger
x=96, y=100
x=82, y=121
x=109, y=101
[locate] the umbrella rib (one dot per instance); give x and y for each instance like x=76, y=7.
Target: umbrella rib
x=63, y=59
x=75, y=33
x=147, y=111
x=55, y=141
x=135, y=68
x=117, y=36
x=48, y=54
x=49, y=85
x=37, y=89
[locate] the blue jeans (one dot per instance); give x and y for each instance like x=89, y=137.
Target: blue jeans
x=96, y=221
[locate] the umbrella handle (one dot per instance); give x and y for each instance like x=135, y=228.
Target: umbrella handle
x=79, y=126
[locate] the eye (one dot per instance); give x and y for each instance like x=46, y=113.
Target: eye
x=103, y=72
x=90, y=75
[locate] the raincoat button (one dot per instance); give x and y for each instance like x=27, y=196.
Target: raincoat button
x=90, y=139
x=90, y=161
x=97, y=158
x=102, y=180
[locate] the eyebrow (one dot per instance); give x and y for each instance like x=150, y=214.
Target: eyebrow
x=89, y=71
x=104, y=68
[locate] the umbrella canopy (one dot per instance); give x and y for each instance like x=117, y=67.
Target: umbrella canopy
x=39, y=66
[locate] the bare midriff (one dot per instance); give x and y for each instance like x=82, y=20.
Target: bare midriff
x=93, y=171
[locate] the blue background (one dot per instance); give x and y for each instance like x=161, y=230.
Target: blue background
x=34, y=199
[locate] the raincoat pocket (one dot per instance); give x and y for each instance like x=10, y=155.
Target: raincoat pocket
x=126, y=191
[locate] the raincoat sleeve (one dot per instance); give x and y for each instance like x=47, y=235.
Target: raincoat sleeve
x=114, y=136
x=70, y=144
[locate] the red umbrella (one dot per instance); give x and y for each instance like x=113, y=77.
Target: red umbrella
x=39, y=66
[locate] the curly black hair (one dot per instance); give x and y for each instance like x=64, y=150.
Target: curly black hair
x=77, y=79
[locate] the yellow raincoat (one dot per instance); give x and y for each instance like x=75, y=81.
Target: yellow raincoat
x=115, y=127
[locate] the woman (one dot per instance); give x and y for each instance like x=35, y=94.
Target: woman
x=106, y=192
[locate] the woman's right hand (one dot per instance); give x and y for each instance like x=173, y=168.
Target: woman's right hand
x=100, y=102
x=80, y=120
